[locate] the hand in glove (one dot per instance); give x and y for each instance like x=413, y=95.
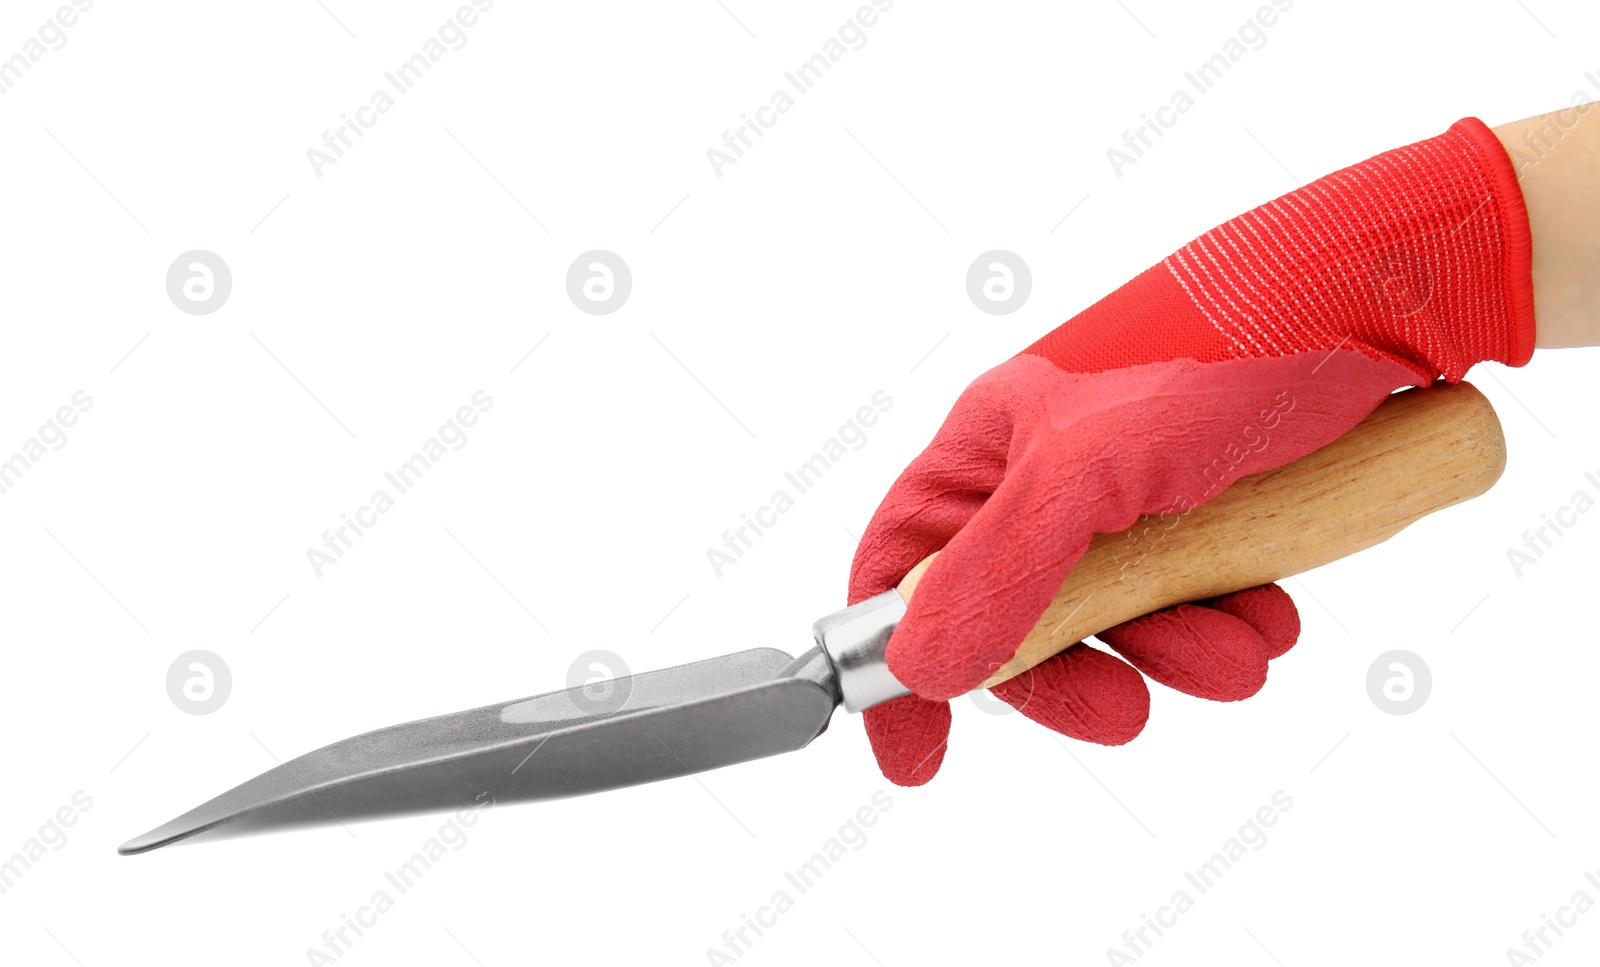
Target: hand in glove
x=1253, y=345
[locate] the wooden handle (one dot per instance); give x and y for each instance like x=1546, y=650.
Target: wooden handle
x=1420, y=451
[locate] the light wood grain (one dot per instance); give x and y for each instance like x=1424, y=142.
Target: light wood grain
x=1420, y=451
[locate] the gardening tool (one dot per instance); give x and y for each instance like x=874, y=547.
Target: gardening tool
x=1420, y=451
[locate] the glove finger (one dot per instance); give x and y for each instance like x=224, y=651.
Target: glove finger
x=1194, y=649
x=909, y=736
x=931, y=500
x=1269, y=610
x=1084, y=694
x=990, y=584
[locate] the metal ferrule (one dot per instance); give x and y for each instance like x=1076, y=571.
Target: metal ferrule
x=854, y=641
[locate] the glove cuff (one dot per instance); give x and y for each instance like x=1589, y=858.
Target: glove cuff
x=1516, y=238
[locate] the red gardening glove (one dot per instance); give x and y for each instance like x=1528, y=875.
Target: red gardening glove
x=1262, y=340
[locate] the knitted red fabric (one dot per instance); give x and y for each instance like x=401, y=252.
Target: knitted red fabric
x=1282, y=327
x=1421, y=254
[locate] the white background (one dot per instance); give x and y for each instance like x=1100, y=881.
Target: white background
x=768, y=304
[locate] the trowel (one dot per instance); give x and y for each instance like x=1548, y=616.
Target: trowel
x=1420, y=451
